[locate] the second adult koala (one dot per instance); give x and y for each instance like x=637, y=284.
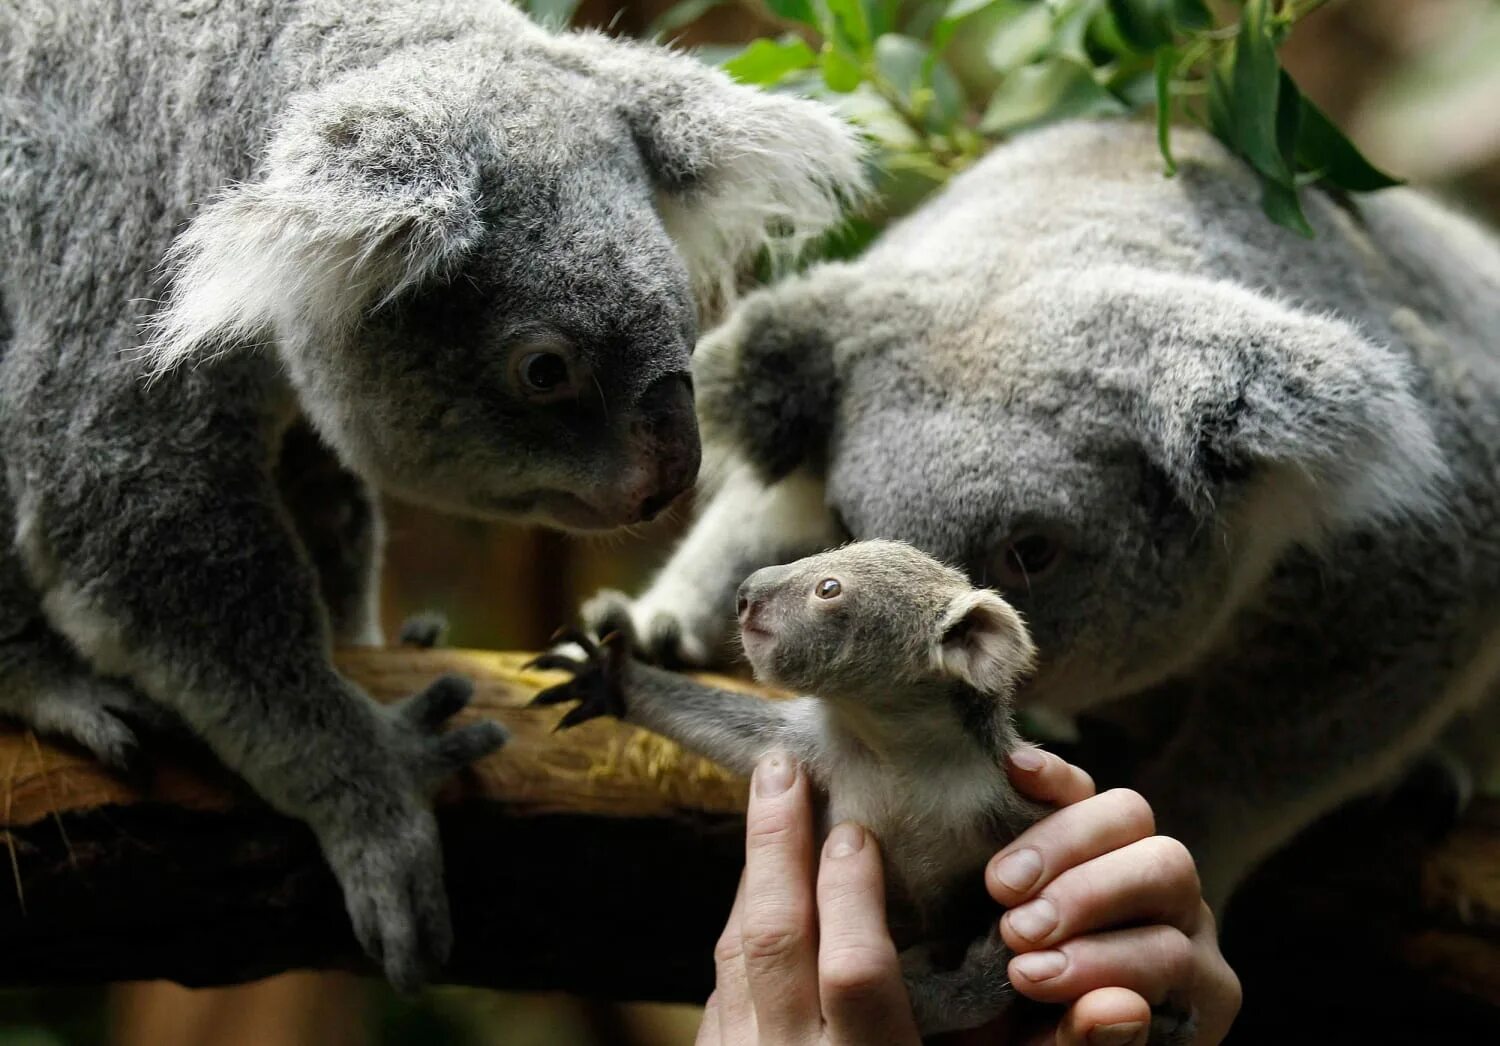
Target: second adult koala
x=413, y=246
x=1242, y=485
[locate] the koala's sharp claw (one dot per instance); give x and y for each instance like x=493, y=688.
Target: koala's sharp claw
x=560, y=694
x=575, y=635
x=554, y=661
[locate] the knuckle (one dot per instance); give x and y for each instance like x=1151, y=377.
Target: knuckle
x=1174, y=956
x=765, y=946
x=1132, y=809
x=1173, y=862
x=856, y=971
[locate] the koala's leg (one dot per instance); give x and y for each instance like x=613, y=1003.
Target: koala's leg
x=338, y=521
x=734, y=730
x=686, y=616
x=196, y=590
x=973, y=994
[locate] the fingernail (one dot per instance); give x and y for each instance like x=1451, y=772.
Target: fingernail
x=1028, y=759
x=1019, y=870
x=1034, y=919
x=773, y=775
x=845, y=840
x=1124, y=1034
x=1040, y=966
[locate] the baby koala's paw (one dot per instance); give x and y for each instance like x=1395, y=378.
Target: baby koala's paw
x=658, y=635
x=596, y=684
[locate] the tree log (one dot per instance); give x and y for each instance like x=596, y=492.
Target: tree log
x=602, y=862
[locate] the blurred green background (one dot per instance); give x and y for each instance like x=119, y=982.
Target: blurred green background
x=1415, y=83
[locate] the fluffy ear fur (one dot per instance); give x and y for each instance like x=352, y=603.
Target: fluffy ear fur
x=1238, y=385
x=738, y=169
x=364, y=193
x=766, y=383
x=982, y=641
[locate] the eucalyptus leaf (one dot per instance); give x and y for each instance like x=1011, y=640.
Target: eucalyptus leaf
x=794, y=10
x=1323, y=147
x=1167, y=58
x=847, y=25
x=770, y=61
x=924, y=83
x=552, y=13
x=1053, y=90
x=1021, y=38
x=1144, y=24
x=1255, y=89
x=840, y=72
x=679, y=16
x=1282, y=206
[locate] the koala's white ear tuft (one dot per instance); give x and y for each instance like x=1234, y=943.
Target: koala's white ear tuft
x=737, y=169
x=983, y=641
x=358, y=201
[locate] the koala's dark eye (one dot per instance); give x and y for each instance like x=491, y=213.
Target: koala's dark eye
x=543, y=373
x=828, y=588
x=1025, y=557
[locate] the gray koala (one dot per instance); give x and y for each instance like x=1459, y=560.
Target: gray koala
x=424, y=248
x=910, y=673
x=1244, y=487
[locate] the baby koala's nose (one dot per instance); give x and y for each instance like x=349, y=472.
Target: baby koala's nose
x=742, y=600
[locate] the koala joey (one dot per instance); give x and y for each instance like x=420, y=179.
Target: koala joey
x=423, y=248
x=911, y=671
x=1241, y=484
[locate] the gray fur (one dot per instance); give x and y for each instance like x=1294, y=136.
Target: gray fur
x=1271, y=463
x=913, y=671
x=259, y=259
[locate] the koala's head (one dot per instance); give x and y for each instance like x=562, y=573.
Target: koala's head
x=483, y=263
x=867, y=621
x=1126, y=456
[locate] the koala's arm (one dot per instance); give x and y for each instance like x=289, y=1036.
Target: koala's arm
x=732, y=729
x=686, y=616
x=192, y=586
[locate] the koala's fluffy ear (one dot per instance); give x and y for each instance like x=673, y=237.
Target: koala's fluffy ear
x=738, y=169
x=766, y=382
x=1238, y=386
x=982, y=641
x=362, y=194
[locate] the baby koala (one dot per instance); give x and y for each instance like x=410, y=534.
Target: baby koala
x=910, y=672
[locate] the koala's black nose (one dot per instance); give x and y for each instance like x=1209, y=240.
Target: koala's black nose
x=666, y=433
x=741, y=602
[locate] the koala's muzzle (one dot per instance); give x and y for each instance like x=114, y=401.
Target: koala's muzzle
x=666, y=448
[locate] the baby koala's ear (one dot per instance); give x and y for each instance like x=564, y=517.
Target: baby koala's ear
x=983, y=641
x=365, y=190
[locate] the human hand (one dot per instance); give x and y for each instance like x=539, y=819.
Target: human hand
x=1106, y=917
x=800, y=963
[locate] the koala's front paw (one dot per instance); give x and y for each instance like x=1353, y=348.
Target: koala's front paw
x=656, y=634
x=597, y=679
x=384, y=851
x=98, y=714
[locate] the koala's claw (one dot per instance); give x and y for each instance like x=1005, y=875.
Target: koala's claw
x=659, y=637
x=101, y=716
x=424, y=630
x=596, y=684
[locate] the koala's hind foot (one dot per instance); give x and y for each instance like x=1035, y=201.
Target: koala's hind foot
x=386, y=853
x=596, y=682
x=975, y=993
x=48, y=689
x=425, y=630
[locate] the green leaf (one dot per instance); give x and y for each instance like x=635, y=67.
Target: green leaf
x=1323, y=147
x=1048, y=91
x=1167, y=58
x=1190, y=15
x=552, y=13
x=847, y=26
x=794, y=10
x=1282, y=206
x=924, y=83
x=1254, y=93
x=961, y=9
x=769, y=61
x=679, y=16
x=1021, y=38
x=840, y=72
x=1143, y=23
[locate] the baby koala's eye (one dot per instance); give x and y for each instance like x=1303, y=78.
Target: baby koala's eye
x=828, y=588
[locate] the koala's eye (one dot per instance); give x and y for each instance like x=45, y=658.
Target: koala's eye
x=543, y=371
x=1025, y=557
x=828, y=588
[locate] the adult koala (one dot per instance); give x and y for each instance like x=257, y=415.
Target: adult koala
x=463, y=252
x=1213, y=463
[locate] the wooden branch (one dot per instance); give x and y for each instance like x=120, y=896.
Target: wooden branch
x=603, y=861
